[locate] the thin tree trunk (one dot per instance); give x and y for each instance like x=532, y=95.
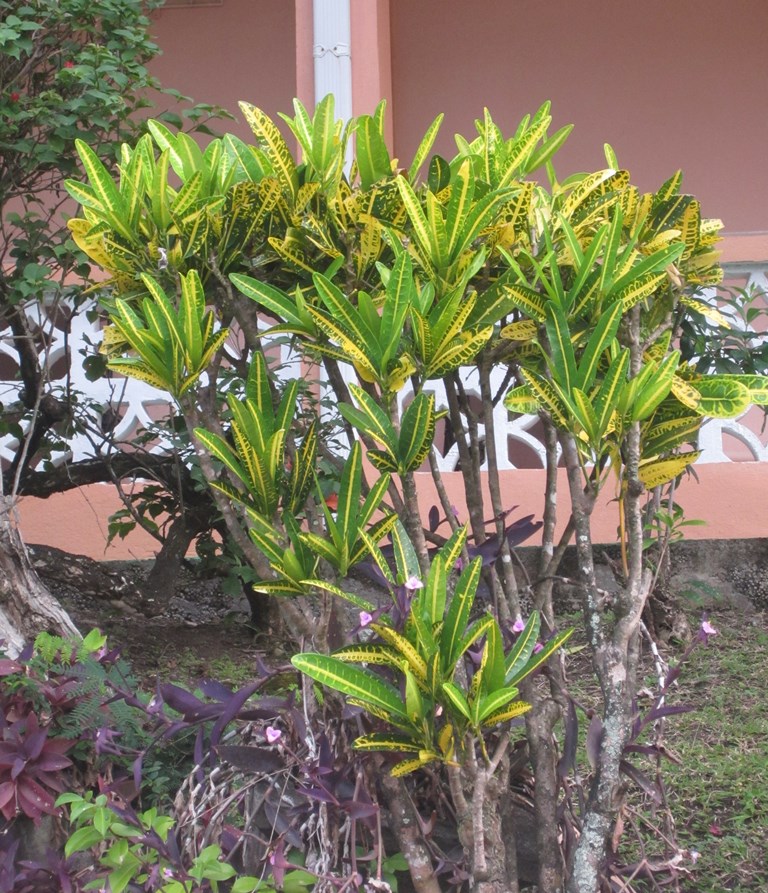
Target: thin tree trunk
x=26, y=605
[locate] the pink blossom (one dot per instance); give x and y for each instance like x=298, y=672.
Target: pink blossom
x=413, y=583
x=272, y=734
x=518, y=626
x=708, y=629
x=537, y=648
x=365, y=618
x=69, y=64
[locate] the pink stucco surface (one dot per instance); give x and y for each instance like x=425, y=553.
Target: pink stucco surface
x=239, y=50
x=730, y=498
x=668, y=84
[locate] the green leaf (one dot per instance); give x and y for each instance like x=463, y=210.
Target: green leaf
x=457, y=699
x=654, y=474
x=656, y=388
x=722, y=396
x=493, y=673
x=373, y=159
x=386, y=741
x=538, y=657
x=457, y=617
x=427, y=141
x=603, y=334
x=563, y=362
x=495, y=701
x=417, y=432
x=529, y=301
x=523, y=647
x=412, y=657
x=360, y=684
x=406, y=561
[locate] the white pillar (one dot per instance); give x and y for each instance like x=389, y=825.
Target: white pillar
x=332, y=54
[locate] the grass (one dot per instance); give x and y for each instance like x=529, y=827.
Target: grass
x=717, y=786
x=718, y=793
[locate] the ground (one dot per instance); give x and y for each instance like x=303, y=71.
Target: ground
x=717, y=787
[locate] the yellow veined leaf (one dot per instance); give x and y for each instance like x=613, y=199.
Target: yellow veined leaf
x=709, y=233
x=445, y=741
x=287, y=250
x=547, y=397
x=369, y=247
x=354, y=353
x=89, y=239
x=221, y=450
x=689, y=226
x=721, y=396
x=363, y=685
x=414, y=660
x=438, y=238
x=106, y=192
x=586, y=417
x=659, y=349
x=597, y=184
x=521, y=400
x=371, y=654
x=405, y=767
x=421, y=229
x=686, y=394
x=611, y=391
x=496, y=701
x=757, y=385
x=135, y=368
x=427, y=141
x=461, y=351
x=417, y=432
x=640, y=289
x=529, y=301
x=522, y=148
x=669, y=189
x=458, y=699
x=386, y=741
x=212, y=345
x=655, y=473
x=661, y=240
x=398, y=376
x=274, y=146
x=525, y=330
x=670, y=434
x=511, y=711
x=711, y=313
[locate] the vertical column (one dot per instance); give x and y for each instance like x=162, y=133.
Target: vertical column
x=332, y=53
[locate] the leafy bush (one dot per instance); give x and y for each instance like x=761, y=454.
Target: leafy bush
x=432, y=305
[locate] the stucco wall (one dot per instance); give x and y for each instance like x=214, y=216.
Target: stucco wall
x=239, y=50
x=669, y=83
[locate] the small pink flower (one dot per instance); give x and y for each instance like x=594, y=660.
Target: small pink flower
x=413, y=583
x=272, y=734
x=518, y=626
x=167, y=872
x=708, y=629
x=365, y=618
x=69, y=64
x=537, y=648
x=15, y=97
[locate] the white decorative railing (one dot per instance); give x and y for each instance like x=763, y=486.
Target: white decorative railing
x=517, y=445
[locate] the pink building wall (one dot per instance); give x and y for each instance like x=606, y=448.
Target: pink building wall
x=668, y=84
